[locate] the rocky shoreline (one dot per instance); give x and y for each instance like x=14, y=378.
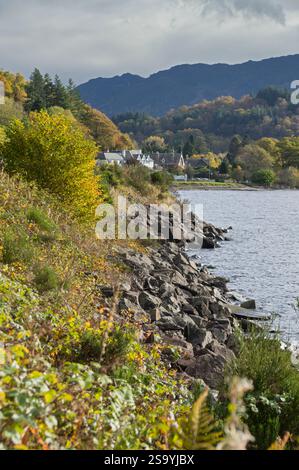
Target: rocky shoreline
x=178, y=302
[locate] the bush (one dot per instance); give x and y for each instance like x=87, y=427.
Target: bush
x=46, y=279
x=264, y=177
x=16, y=247
x=162, y=179
x=273, y=406
x=54, y=152
x=138, y=176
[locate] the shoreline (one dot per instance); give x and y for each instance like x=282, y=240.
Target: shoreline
x=211, y=187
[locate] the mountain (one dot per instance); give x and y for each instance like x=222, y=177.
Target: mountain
x=187, y=85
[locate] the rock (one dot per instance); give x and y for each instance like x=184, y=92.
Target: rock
x=203, y=338
x=209, y=367
x=240, y=312
x=221, y=350
x=185, y=347
x=151, y=284
x=147, y=301
x=249, y=304
x=169, y=324
x=185, y=363
x=208, y=243
x=189, y=309
x=201, y=304
x=155, y=314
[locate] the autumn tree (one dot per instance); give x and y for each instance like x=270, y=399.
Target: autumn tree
x=289, y=148
x=253, y=158
x=55, y=153
x=154, y=144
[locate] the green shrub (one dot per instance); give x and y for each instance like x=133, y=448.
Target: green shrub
x=138, y=176
x=46, y=279
x=16, y=247
x=162, y=179
x=40, y=218
x=273, y=406
x=264, y=177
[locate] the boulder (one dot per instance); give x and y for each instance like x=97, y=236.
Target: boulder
x=147, y=301
x=209, y=367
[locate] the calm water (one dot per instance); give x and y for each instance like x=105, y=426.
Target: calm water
x=262, y=260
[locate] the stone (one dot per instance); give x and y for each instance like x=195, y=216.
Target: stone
x=240, y=312
x=147, y=301
x=221, y=350
x=249, y=304
x=155, y=314
x=203, y=338
x=209, y=367
x=189, y=309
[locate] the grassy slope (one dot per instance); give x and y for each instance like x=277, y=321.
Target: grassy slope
x=72, y=377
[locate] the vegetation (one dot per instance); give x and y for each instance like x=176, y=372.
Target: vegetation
x=55, y=153
x=272, y=407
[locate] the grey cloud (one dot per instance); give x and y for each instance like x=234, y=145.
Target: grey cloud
x=257, y=8
x=90, y=38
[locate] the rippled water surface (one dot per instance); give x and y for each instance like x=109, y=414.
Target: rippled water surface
x=262, y=260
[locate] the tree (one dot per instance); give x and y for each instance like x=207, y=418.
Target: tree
x=289, y=148
x=272, y=94
x=189, y=147
x=234, y=148
x=36, y=92
x=55, y=153
x=289, y=177
x=154, y=144
x=224, y=167
x=264, y=177
x=104, y=131
x=253, y=158
x=60, y=93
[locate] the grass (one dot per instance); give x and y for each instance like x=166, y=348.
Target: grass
x=208, y=184
x=64, y=352
x=46, y=279
x=41, y=219
x=16, y=247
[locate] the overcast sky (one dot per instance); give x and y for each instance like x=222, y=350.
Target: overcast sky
x=84, y=39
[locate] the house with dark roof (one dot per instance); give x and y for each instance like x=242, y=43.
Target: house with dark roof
x=198, y=163
x=110, y=158
x=169, y=161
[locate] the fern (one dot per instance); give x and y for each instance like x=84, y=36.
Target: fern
x=199, y=431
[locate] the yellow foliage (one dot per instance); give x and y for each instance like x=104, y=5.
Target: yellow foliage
x=14, y=85
x=54, y=152
x=104, y=131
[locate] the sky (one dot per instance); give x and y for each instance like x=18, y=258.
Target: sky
x=84, y=39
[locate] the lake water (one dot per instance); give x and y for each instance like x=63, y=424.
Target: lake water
x=262, y=259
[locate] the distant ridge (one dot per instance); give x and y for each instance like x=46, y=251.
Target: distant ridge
x=187, y=85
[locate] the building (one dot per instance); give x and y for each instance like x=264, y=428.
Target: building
x=169, y=161
x=198, y=163
x=110, y=158
x=138, y=156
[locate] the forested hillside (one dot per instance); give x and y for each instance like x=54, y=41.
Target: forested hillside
x=212, y=124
